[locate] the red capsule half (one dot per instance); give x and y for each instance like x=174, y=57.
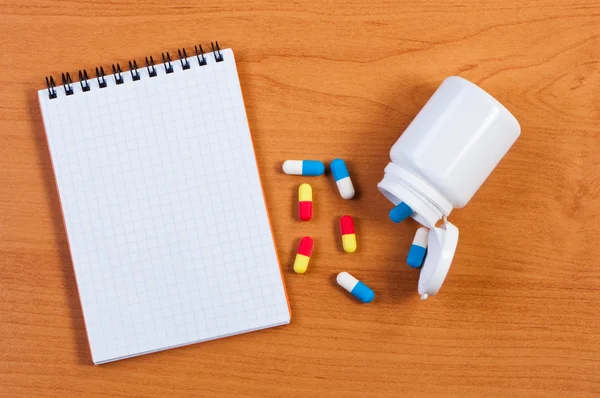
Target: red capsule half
x=305, y=207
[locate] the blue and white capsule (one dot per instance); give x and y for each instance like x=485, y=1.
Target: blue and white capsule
x=304, y=167
x=356, y=288
x=416, y=254
x=342, y=178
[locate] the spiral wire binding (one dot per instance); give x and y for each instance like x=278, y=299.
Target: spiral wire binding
x=167, y=60
x=201, y=59
x=217, y=52
x=51, y=87
x=185, y=64
x=101, y=82
x=151, y=72
x=135, y=76
x=83, y=77
x=66, y=79
x=67, y=82
x=117, y=70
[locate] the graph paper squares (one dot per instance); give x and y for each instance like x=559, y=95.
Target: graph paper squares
x=164, y=211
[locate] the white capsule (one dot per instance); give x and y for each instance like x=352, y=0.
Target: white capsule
x=346, y=188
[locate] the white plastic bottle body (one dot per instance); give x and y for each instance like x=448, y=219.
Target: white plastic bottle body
x=448, y=150
x=456, y=140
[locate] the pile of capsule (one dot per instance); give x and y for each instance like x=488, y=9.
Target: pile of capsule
x=305, y=211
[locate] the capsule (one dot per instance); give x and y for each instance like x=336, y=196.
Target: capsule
x=303, y=255
x=358, y=289
x=348, y=234
x=401, y=212
x=342, y=178
x=305, y=208
x=304, y=167
x=416, y=254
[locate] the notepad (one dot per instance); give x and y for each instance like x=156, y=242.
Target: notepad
x=163, y=206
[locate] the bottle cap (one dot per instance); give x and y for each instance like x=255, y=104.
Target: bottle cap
x=441, y=247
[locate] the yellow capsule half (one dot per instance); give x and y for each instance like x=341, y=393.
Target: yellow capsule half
x=301, y=263
x=305, y=193
x=349, y=243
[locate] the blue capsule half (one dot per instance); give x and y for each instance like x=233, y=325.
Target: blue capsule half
x=400, y=212
x=418, y=249
x=355, y=287
x=312, y=168
x=363, y=292
x=416, y=256
x=338, y=169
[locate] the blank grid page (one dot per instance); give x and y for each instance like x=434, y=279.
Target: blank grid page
x=163, y=207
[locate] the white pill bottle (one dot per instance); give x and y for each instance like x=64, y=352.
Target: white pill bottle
x=441, y=160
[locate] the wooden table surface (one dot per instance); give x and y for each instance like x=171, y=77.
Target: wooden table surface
x=519, y=313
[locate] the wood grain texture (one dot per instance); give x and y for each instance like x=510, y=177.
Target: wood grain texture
x=519, y=314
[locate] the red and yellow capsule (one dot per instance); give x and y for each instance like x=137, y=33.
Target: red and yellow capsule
x=305, y=208
x=348, y=235
x=303, y=255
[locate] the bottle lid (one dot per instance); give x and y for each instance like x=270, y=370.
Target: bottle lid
x=400, y=185
x=441, y=247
